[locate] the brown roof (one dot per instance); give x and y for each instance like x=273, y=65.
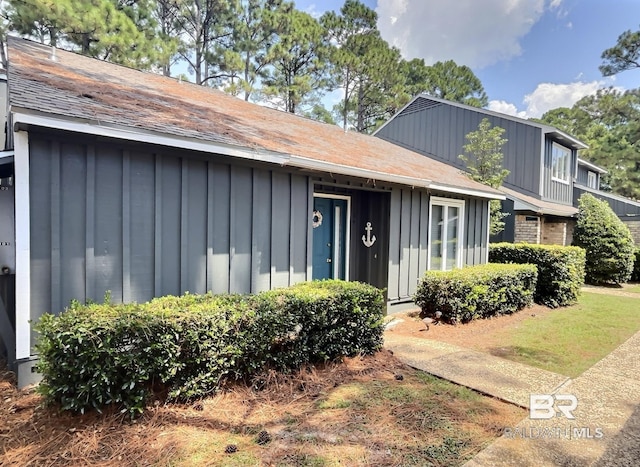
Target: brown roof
x=529, y=203
x=97, y=92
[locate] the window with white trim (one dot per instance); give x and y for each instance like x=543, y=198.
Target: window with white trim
x=560, y=163
x=445, y=233
x=592, y=180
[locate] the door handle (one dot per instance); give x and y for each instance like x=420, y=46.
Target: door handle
x=328, y=260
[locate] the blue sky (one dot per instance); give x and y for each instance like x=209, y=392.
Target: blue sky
x=531, y=55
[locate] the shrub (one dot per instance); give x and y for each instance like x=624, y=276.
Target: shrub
x=607, y=241
x=635, y=275
x=560, y=269
x=190, y=346
x=477, y=291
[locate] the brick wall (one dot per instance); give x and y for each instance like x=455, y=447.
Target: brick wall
x=527, y=229
x=634, y=227
x=557, y=231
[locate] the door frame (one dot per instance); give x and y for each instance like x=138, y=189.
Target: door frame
x=347, y=234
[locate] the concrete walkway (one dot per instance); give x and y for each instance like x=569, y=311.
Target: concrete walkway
x=606, y=427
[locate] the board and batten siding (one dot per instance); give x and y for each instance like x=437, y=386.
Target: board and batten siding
x=141, y=224
x=409, y=235
x=552, y=190
x=439, y=131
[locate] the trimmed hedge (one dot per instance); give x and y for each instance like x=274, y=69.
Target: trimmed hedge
x=95, y=355
x=477, y=291
x=560, y=269
x=635, y=276
x=607, y=240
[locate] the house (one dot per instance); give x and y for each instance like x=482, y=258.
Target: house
x=546, y=176
x=142, y=185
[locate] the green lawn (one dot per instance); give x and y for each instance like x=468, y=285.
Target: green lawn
x=570, y=340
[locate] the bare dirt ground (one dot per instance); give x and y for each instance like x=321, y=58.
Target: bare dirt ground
x=480, y=334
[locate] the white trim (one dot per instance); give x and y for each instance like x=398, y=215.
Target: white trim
x=591, y=166
x=446, y=203
x=567, y=164
x=486, y=259
x=347, y=232
x=337, y=257
x=592, y=177
x=23, y=245
x=262, y=155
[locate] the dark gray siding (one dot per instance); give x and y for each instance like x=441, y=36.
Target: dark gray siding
x=409, y=234
x=582, y=176
x=552, y=190
x=618, y=204
x=141, y=223
x=439, y=131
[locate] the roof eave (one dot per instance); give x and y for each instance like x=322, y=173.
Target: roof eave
x=29, y=117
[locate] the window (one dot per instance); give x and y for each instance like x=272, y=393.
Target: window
x=445, y=233
x=560, y=163
x=592, y=180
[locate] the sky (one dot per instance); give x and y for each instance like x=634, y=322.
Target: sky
x=531, y=55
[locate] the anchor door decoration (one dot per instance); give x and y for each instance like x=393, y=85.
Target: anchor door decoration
x=368, y=239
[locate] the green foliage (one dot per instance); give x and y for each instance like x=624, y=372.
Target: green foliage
x=95, y=355
x=484, y=164
x=121, y=32
x=560, y=269
x=609, y=122
x=625, y=55
x=299, y=62
x=607, y=241
x=635, y=275
x=477, y=291
x=451, y=81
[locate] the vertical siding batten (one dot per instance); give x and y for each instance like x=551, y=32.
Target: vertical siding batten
x=394, y=245
x=414, y=243
x=184, y=223
x=157, y=231
x=55, y=274
x=90, y=238
x=126, y=226
x=210, y=226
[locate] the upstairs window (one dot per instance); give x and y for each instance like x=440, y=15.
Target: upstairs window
x=560, y=163
x=592, y=180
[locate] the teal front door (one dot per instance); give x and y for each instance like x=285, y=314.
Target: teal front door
x=329, y=238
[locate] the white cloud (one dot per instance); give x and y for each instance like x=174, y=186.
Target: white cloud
x=547, y=96
x=472, y=33
x=506, y=108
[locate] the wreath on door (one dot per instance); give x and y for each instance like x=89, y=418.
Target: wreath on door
x=316, y=219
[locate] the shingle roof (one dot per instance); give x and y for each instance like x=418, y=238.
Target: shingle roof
x=96, y=92
x=529, y=203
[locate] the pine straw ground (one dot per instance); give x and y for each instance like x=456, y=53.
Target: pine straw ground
x=363, y=411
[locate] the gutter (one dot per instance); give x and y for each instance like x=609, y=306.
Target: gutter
x=20, y=117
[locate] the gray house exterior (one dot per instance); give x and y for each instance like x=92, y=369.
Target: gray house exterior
x=546, y=176
x=139, y=185
x=542, y=162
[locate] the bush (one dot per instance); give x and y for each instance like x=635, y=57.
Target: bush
x=95, y=355
x=635, y=275
x=607, y=241
x=477, y=291
x=560, y=269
